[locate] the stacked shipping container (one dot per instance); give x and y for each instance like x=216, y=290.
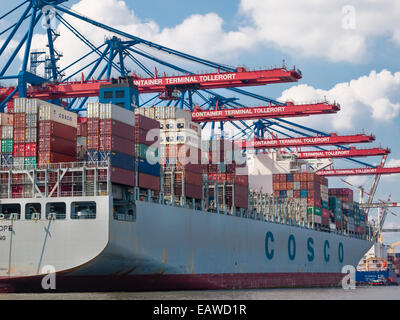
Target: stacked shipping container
x=110, y=138
x=147, y=132
x=309, y=188
x=6, y=152
x=353, y=218
x=57, y=135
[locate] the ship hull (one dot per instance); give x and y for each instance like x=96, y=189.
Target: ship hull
x=173, y=248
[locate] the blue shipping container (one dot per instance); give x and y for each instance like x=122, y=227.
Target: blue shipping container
x=324, y=204
x=289, y=177
x=151, y=169
x=6, y=160
x=303, y=193
x=92, y=156
x=118, y=160
x=282, y=193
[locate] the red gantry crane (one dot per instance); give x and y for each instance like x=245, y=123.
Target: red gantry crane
x=91, y=88
x=343, y=153
x=271, y=111
x=333, y=139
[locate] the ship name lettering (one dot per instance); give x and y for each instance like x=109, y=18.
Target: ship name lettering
x=6, y=228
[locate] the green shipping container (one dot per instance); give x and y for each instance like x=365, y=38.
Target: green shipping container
x=141, y=151
x=316, y=210
x=7, y=146
x=324, y=204
x=30, y=162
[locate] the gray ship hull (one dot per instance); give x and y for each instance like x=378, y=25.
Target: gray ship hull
x=168, y=247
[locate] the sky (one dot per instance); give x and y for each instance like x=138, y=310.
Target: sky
x=347, y=51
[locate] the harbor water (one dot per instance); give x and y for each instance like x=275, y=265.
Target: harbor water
x=360, y=293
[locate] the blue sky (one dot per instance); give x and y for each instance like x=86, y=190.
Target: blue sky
x=319, y=38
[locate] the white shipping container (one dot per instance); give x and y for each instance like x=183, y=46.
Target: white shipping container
x=317, y=219
x=6, y=119
x=324, y=189
x=332, y=226
x=30, y=135
x=7, y=132
x=19, y=105
x=170, y=125
x=162, y=125
x=18, y=161
x=296, y=185
x=112, y=111
x=183, y=124
x=58, y=114
x=32, y=105
x=93, y=110
x=325, y=197
x=289, y=193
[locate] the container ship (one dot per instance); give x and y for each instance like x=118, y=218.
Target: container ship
x=110, y=201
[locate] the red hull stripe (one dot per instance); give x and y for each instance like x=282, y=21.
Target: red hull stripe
x=175, y=282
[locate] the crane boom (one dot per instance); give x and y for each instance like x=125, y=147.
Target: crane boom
x=307, y=141
x=352, y=152
x=271, y=111
x=240, y=78
x=358, y=172
x=379, y=204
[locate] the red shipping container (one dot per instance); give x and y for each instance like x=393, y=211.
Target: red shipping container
x=30, y=149
x=193, y=178
x=338, y=224
x=289, y=185
x=93, y=126
x=122, y=176
x=92, y=142
x=325, y=221
x=19, y=120
x=116, y=128
x=82, y=120
x=241, y=196
x=19, y=150
x=59, y=145
x=17, y=191
x=82, y=129
x=19, y=135
x=296, y=193
x=145, y=123
x=325, y=213
x=276, y=193
x=56, y=129
x=118, y=144
x=275, y=178
x=148, y=182
x=45, y=157
x=193, y=191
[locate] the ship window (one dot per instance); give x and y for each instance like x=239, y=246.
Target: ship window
x=83, y=210
x=33, y=211
x=108, y=94
x=10, y=211
x=56, y=210
x=119, y=94
x=180, y=126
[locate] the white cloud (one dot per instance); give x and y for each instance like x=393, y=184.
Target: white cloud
x=199, y=35
x=324, y=28
x=375, y=97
